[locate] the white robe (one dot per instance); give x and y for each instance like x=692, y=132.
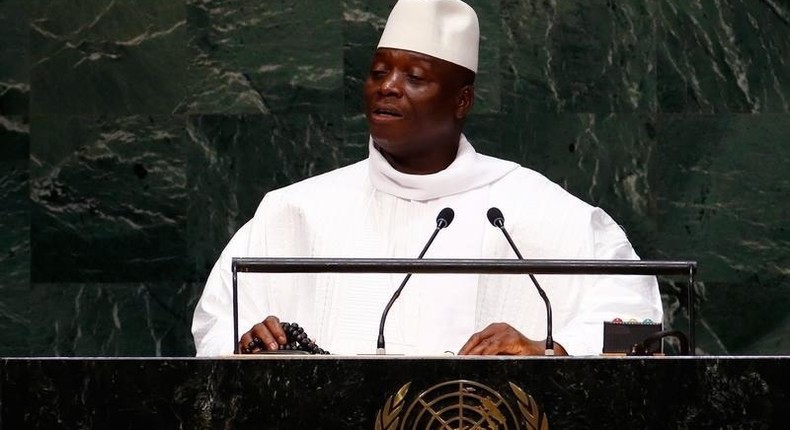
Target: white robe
x=368, y=209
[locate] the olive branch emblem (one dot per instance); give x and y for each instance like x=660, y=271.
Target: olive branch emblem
x=389, y=417
x=529, y=409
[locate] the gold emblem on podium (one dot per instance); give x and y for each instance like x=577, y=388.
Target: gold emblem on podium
x=461, y=405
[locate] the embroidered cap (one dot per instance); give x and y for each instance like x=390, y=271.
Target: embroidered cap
x=445, y=29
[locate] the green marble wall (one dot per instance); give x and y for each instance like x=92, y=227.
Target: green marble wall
x=137, y=135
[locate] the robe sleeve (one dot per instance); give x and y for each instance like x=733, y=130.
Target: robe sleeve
x=212, y=323
x=604, y=298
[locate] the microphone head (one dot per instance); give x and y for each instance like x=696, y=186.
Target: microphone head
x=444, y=218
x=495, y=217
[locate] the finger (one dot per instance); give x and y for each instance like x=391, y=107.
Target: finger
x=247, y=344
x=510, y=341
x=474, y=341
x=264, y=336
x=488, y=346
x=272, y=323
x=471, y=344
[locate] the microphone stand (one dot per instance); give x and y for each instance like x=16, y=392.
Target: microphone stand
x=498, y=220
x=443, y=220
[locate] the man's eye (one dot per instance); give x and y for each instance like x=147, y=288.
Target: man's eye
x=378, y=73
x=416, y=78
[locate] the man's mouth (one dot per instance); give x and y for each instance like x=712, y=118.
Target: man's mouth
x=387, y=112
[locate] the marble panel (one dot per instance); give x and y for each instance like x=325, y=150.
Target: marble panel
x=720, y=187
x=15, y=316
x=261, y=57
x=485, y=132
x=14, y=190
x=14, y=57
x=773, y=341
x=118, y=57
x=600, y=158
x=14, y=235
x=723, y=56
x=488, y=83
x=235, y=160
x=579, y=56
x=108, y=199
x=110, y=320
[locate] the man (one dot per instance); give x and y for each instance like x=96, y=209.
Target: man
x=418, y=93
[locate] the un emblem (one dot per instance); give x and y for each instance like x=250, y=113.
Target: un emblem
x=460, y=405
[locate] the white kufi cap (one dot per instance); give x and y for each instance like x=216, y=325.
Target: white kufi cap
x=445, y=29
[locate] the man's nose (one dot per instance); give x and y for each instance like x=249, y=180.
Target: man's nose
x=392, y=85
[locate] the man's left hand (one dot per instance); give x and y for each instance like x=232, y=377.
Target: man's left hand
x=503, y=339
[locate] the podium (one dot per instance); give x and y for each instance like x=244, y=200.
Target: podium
x=385, y=392
x=326, y=392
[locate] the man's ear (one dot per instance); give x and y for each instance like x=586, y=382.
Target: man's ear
x=465, y=100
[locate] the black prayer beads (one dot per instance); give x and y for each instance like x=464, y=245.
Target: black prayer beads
x=295, y=340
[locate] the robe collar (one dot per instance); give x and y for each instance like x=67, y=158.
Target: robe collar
x=468, y=171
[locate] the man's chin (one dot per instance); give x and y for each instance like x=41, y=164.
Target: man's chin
x=383, y=142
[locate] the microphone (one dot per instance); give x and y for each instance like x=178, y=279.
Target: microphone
x=443, y=220
x=496, y=219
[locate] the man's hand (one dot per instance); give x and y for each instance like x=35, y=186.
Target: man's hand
x=264, y=336
x=502, y=339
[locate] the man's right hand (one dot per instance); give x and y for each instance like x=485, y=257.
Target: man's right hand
x=267, y=335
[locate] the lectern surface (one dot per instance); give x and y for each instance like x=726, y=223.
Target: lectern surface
x=308, y=392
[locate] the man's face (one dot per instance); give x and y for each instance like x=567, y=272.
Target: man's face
x=411, y=103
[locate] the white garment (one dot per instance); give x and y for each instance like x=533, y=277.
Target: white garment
x=370, y=210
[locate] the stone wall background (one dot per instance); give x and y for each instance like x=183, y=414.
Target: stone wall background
x=136, y=136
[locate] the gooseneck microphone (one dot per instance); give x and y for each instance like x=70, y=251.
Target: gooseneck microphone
x=496, y=219
x=443, y=220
